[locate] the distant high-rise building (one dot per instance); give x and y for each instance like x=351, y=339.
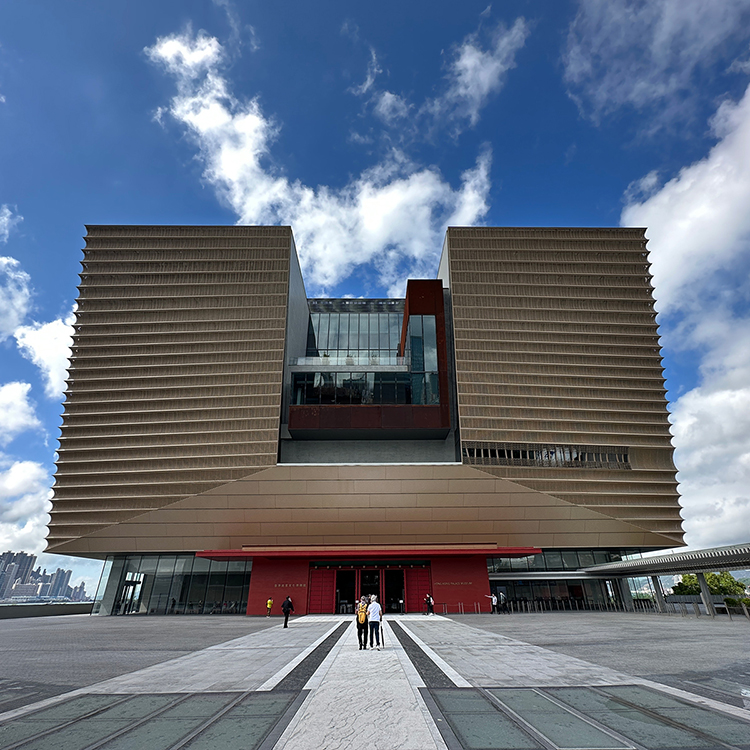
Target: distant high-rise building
x=59, y=583
x=503, y=426
x=24, y=561
x=8, y=579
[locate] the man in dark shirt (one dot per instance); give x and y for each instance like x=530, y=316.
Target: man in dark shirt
x=287, y=608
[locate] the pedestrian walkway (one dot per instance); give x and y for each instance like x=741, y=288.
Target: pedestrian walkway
x=436, y=684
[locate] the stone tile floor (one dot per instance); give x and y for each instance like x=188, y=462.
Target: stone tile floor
x=505, y=683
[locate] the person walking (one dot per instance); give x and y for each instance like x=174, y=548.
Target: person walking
x=430, y=602
x=269, y=604
x=374, y=616
x=504, y=604
x=360, y=612
x=287, y=608
x=493, y=596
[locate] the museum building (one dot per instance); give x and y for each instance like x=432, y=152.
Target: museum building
x=226, y=439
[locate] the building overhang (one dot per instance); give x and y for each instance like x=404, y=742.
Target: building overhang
x=369, y=552
x=734, y=557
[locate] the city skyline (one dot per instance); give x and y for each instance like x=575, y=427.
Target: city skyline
x=369, y=139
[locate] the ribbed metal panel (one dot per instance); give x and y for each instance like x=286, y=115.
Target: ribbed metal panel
x=556, y=342
x=176, y=370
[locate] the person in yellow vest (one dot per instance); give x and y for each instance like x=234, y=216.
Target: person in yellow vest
x=269, y=604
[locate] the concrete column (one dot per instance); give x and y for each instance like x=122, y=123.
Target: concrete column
x=706, y=595
x=627, y=597
x=661, y=605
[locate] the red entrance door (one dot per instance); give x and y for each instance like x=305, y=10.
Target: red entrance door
x=417, y=585
x=322, y=591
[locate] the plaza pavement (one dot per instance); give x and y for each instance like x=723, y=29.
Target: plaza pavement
x=556, y=680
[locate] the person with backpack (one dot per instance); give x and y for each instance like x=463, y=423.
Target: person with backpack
x=374, y=616
x=361, y=617
x=287, y=608
x=430, y=602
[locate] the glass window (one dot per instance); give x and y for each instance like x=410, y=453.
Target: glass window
x=364, y=331
x=333, y=332
x=198, y=583
x=553, y=559
x=368, y=395
x=342, y=388
x=432, y=389
x=374, y=338
x=344, y=331
x=235, y=588
x=403, y=388
x=178, y=595
x=601, y=557
x=311, y=349
x=217, y=577
x=327, y=388
x=383, y=325
x=570, y=559
x=585, y=558
x=536, y=562
x=519, y=563
x=323, y=332
x=357, y=386
x=394, y=323
x=353, y=344
x=417, y=389
x=158, y=603
x=430, y=343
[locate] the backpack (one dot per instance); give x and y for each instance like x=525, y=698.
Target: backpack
x=362, y=613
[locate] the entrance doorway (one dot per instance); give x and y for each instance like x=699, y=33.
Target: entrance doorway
x=336, y=589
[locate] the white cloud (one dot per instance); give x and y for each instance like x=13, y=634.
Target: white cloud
x=699, y=229
x=47, y=345
x=630, y=52
x=8, y=220
x=475, y=73
x=15, y=295
x=24, y=505
x=391, y=216
x=16, y=411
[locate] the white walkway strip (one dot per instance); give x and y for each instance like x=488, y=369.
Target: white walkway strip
x=271, y=683
x=450, y=673
x=362, y=698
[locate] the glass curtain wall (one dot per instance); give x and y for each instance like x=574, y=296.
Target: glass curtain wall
x=421, y=352
x=172, y=585
x=342, y=334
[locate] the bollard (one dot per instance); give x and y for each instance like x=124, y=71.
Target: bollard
x=461, y=608
x=744, y=609
x=477, y=609
x=697, y=609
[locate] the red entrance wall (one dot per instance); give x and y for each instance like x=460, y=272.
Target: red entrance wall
x=417, y=584
x=460, y=579
x=278, y=578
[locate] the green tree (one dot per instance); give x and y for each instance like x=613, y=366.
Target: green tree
x=718, y=583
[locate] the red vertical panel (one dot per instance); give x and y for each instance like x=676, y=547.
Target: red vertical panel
x=277, y=579
x=461, y=579
x=322, y=592
x=417, y=584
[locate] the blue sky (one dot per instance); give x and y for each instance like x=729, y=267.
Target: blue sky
x=369, y=129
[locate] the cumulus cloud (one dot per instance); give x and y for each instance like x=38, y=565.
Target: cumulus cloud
x=699, y=238
x=47, y=345
x=630, y=52
x=16, y=411
x=7, y=221
x=24, y=504
x=477, y=70
x=391, y=216
x=15, y=296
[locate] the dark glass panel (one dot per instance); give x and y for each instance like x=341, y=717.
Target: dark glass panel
x=601, y=557
x=374, y=337
x=109, y=586
x=148, y=571
x=353, y=332
x=178, y=594
x=344, y=332
x=417, y=389
x=198, y=583
x=333, y=333
x=570, y=559
x=553, y=559
x=343, y=381
x=432, y=389
x=323, y=332
x=214, y=602
x=158, y=604
x=383, y=326
x=403, y=388
x=234, y=591
x=585, y=558
x=519, y=563
x=357, y=385
x=364, y=331
x=430, y=343
x=394, y=324
x=368, y=394
x=536, y=562
x=327, y=388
